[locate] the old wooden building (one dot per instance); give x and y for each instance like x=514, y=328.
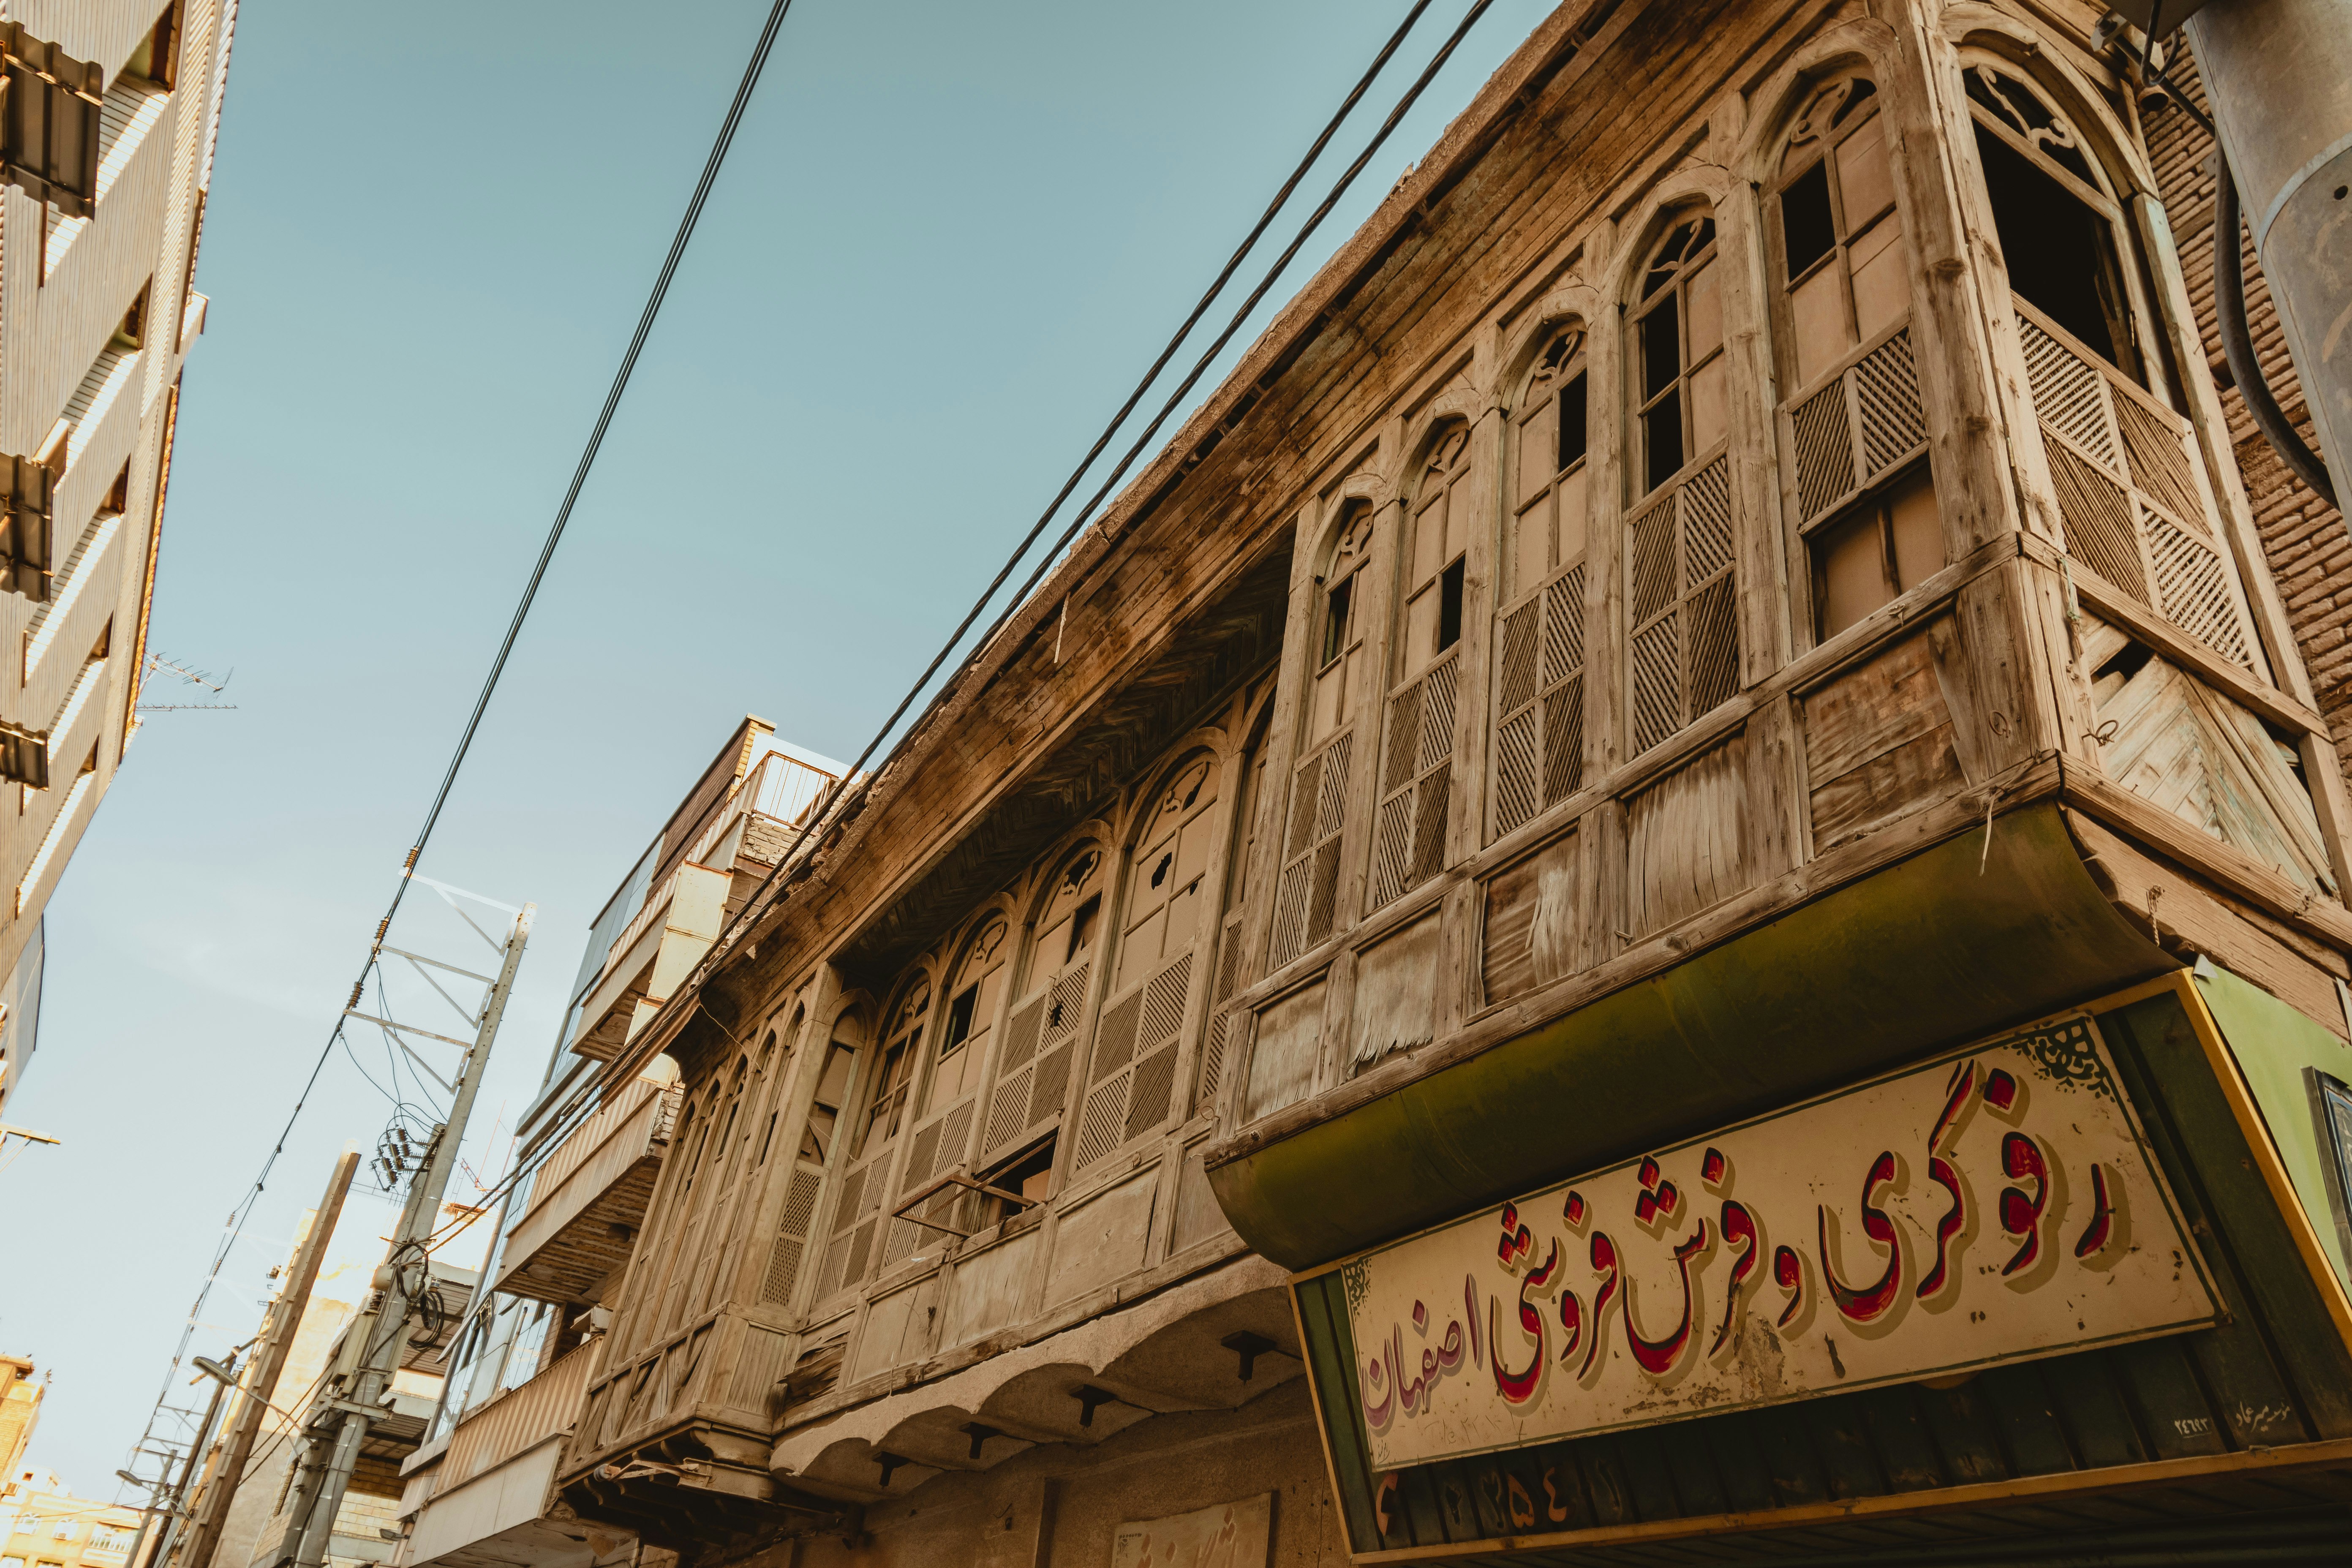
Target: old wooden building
x=1672, y=890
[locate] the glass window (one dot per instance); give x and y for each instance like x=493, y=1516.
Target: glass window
x=1551, y=435
x=1681, y=383
x=1842, y=257
x=1439, y=537
x=2055, y=215
x=979, y=983
x=1339, y=644
x=904, y=1039
x=825, y=1110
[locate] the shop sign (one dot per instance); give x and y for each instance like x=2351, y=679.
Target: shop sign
x=1995, y=1205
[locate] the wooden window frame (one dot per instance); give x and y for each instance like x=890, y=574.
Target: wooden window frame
x=1704, y=249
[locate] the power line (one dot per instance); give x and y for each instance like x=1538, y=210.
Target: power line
x=751, y=906
x=728, y=127
x=579, y=1108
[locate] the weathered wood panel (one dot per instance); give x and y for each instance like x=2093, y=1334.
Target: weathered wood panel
x=1688, y=839
x=2168, y=737
x=1879, y=742
x=1396, y=1005
x=1532, y=927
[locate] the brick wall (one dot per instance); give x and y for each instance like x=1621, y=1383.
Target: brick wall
x=2310, y=552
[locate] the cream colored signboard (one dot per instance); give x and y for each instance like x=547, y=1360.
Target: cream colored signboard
x=1995, y=1205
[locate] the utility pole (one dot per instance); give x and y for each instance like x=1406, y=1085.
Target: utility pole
x=380, y=1334
x=171, y=1500
x=261, y=1381
x=179, y=1503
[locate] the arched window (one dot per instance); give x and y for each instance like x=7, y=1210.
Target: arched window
x=1305, y=902
x=1041, y=1033
x=1681, y=404
x=973, y=992
x=941, y=1139
x=2138, y=506
x=1840, y=237
x=1338, y=630
x=1439, y=538
x=902, y=1040
x=1539, y=678
x=1242, y=845
x=2057, y=217
x=1865, y=504
x=1549, y=443
x=1417, y=769
x=1132, y=1082
x=1682, y=595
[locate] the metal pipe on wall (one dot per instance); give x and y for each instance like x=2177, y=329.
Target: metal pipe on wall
x=2279, y=73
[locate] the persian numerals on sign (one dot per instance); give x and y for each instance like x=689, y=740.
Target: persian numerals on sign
x=1995, y=1205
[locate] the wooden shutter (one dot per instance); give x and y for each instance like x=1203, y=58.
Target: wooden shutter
x=48, y=121
x=783, y=1270
x=1306, y=899
x=856, y=1217
x=1408, y=841
x=1683, y=604
x=1865, y=421
x=1223, y=1024
x=1039, y=1042
x=2132, y=490
x=25, y=560
x=1539, y=702
x=1135, y=1063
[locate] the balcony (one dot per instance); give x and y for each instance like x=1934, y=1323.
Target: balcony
x=485, y=1505
x=589, y=1197
x=656, y=951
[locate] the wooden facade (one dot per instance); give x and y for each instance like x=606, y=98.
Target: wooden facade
x=1737, y=579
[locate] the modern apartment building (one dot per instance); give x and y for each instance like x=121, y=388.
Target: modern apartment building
x=107, y=132
x=20, y=1410
x=50, y=1527
x=480, y=1490
x=1674, y=889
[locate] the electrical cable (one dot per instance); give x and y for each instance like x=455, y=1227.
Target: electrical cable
x=1201, y=308
x=752, y=907
x=725, y=137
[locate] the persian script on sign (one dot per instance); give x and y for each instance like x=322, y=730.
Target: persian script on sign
x=1994, y=1205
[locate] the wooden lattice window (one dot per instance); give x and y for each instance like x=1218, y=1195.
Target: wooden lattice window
x=879, y=1241
x=1683, y=594
x=1682, y=404
x=1539, y=678
x=1417, y=766
x=1841, y=240
x=1306, y=899
x=797, y=1219
x=1131, y=1083
x=2131, y=487
x=942, y=1138
x=1043, y=1031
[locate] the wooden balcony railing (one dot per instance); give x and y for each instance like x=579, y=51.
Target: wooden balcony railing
x=625, y=1134
x=517, y=1420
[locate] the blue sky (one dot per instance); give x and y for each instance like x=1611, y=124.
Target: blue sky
x=948, y=239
